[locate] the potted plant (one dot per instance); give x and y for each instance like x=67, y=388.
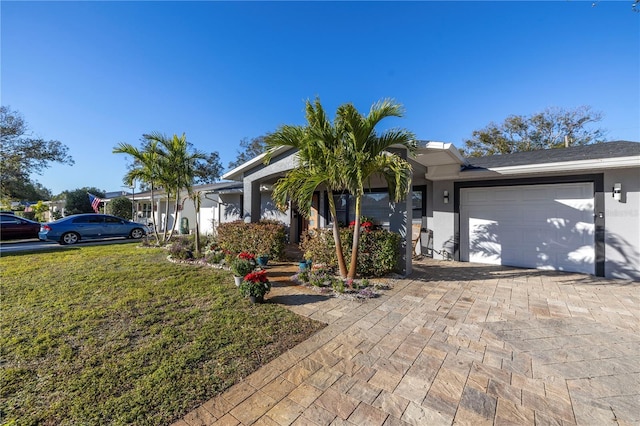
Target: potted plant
x=241, y=265
x=262, y=260
x=255, y=285
x=263, y=248
x=304, y=264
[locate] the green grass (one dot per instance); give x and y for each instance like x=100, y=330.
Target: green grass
x=118, y=335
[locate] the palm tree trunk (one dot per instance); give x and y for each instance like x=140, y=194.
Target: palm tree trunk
x=166, y=218
x=153, y=216
x=196, y=206
x=356, y=240
x=175, y=209
x=342, y=266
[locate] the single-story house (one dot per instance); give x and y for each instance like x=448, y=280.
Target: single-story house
x=213, y=207
x=572, y=209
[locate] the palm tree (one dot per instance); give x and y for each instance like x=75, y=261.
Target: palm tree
x=177, y=171
x=144, y=169
x=367, y=155
x=319, y=146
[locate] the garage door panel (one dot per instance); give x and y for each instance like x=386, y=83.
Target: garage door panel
x=478, y=196
x=535, y=226
x=506, y=195
x=534, y=216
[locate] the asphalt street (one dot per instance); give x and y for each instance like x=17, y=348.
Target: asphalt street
x=16, y=246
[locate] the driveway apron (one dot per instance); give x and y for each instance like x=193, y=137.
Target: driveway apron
x=454, y=343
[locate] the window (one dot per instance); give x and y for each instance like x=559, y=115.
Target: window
x=419, y=202
x=88, y=219
x=146, y=209
x=342, y=208
x=112, y=220
x=376, y=205
x=10, y=219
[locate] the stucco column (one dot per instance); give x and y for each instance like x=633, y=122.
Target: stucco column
x=251, y=200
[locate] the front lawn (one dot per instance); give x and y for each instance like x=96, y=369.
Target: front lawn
x=115, y=334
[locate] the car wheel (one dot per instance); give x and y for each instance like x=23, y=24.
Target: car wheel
x=69, y=238
x=136, y=233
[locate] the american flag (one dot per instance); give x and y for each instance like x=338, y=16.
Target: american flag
x=95, y=202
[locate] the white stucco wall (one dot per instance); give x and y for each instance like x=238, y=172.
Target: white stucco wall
x=208, y=211
x=230, y=208
x=622, y=225
x=269, y=211
x=442, y=221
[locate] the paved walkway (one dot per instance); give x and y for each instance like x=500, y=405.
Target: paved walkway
x=455, y=343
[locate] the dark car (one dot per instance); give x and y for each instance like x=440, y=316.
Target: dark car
x=71, y=229
x=13, y=227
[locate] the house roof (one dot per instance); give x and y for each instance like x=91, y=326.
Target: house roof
x=237, y=173
x=208, y=187
x=601, y=156
x=443, y=160
x=604, y=150
x=429, y=153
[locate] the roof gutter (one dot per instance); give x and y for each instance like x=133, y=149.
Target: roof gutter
x=565, y=166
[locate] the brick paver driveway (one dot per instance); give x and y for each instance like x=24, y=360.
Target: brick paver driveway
x=454, y=343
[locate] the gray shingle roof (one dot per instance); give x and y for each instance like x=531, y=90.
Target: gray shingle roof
x=575, y=153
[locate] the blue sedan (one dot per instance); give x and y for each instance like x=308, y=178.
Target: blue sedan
x=71, y=229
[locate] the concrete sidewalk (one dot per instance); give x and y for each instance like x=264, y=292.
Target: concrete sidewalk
x=455, y=343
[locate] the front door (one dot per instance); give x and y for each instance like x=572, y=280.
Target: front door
x=313, y=222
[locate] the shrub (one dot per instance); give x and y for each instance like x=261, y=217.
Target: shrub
x=338, y=286
x=321, y=277
x=214, y=256
x=262, y=238
x=27, y=215
x=121, y=207
x=324, y=280
x=320, y=247
x=181, y=248
x=378, y=251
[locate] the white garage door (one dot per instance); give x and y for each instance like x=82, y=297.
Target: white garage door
x=532, y=226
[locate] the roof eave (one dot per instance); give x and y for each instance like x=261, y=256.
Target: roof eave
x=237, y=173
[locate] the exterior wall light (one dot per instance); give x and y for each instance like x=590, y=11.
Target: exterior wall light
x=617, y=191
x=445, y=197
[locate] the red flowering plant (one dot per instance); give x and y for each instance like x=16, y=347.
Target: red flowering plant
x=243, y=264
x=365, y=223
x=255, y=284
x=246, y=255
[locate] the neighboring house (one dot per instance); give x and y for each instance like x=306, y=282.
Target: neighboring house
x=219, y=202
x=573, y=209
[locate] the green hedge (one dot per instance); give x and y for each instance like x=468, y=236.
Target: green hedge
x=261, y=238
x=378, y=250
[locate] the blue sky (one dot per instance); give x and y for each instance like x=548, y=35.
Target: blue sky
x=93, y=74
